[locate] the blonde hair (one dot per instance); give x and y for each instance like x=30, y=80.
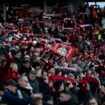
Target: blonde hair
x=14, y=66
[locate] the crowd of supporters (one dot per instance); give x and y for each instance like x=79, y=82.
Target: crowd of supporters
x=29, y=73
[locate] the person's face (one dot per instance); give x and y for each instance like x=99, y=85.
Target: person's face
x=39, y=72
x=37, y=59
x=37, y=50
x=50, y=102
x=64, y=97
x=61, y=88
x=32, y=76
x=44, y=75
x=70, y=86
x=4, y=63
x=12, y=88
x=18, y=55
x=93, y=102
x=52, y=71
x=26, y=64
x=1, y=92
x=23, y=82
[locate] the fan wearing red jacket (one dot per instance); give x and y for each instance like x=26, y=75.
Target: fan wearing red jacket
x=12, y=72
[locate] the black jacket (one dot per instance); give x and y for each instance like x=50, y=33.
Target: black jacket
x=23, y=92
x=69, y=102
x=35, y=85
x=42, y=85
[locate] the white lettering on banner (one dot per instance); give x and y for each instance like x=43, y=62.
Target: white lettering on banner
x=62, y=50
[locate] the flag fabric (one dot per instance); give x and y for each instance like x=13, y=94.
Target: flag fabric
x=64, y=49
x=53, y=78
x=90, y=79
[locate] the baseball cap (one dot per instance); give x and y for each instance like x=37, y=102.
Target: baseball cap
x=11, y=83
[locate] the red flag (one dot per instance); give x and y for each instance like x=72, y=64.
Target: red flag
x=58, y=77
x=64, y=49
x=91, y=79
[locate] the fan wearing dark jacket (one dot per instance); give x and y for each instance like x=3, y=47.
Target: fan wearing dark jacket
x=11, y=97
x=66, y=98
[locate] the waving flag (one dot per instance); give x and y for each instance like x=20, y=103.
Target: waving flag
x=64, y=49
x=58, y=77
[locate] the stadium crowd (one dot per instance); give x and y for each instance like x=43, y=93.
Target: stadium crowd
x=29, y=73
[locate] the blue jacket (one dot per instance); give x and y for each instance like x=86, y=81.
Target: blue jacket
x=12, y=99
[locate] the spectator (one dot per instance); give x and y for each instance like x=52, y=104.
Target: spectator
x=11, y=97
x=33, y=81
x=34, y=52
x=36, y=101
x=13, y=72
x=48, y=100
x=93, y=101
x=66, y=98
x=25, y=66
x=24, y=89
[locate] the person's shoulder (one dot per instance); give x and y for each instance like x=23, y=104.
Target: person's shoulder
x=7, y=95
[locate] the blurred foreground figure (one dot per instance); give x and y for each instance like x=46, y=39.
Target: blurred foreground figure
x=11, y=97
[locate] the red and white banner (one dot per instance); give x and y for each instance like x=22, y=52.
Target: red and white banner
x=64, y=49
